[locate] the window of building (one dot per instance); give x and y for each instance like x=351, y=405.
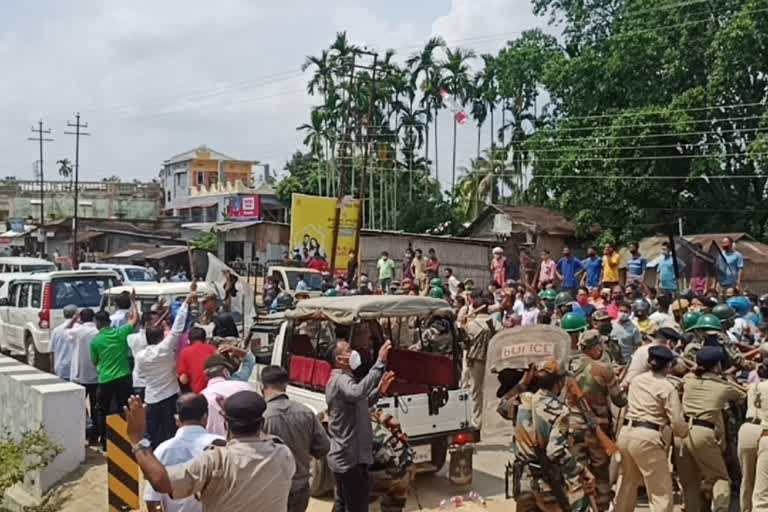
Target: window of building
x=200, y=178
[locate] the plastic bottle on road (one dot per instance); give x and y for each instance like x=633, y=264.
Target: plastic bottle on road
x=454, y=502
x=474, y=497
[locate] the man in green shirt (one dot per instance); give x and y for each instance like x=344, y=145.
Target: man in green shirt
x=109, y=353
x=386, y=268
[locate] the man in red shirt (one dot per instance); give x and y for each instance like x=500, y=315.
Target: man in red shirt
x=192, y=360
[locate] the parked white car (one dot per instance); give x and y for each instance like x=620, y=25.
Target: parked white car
x=34, y=307
x=133, y=275
x=150, y=293
x=10, y=264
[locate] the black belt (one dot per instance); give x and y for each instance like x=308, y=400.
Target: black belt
x=701, y=423
x=643, y=424
x=753, y=421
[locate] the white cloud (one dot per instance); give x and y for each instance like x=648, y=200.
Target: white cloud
x=154, y=78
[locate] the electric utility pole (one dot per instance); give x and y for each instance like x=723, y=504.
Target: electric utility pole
x=77, y=133
x=40, y=139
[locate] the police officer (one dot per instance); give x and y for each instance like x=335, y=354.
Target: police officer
x=253, y=468
x=547, y=476
x=598, y=382
x=601, y=321
x=479, y=331
x=750, y=434
x=700, y=462
x=574, y=324
x=653, y=415
x=760, y=402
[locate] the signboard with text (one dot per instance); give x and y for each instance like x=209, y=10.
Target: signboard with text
x=245, y=208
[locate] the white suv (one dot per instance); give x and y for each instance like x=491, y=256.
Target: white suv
x=34, y=307
x=132, y=275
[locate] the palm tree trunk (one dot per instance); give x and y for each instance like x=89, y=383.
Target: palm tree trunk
x=370, y=199
x=493, y=136
x=410, y=175
x=437, y=172
x=395, y=183
x=479, y=127
x=503, y=123
x=453, y=164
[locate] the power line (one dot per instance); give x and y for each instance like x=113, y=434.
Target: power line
x=40, y=139
x=663, y=111
x=77, y=125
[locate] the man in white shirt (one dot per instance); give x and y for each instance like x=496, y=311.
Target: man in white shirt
x=83, y=371
x=157, y=365
x=639, y=363
x=138, y=342
x=62, y=350
x=189, y=442
x=120, y=317
x=453, y=282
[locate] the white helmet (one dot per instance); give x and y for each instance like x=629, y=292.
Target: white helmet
x=498, y=250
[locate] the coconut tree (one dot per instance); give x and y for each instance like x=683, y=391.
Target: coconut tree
x=457, y=80
x=482, y=182
x=65, y=170
x=425, y=75
x=519, y=119
x=479, y=109
x=490, y=88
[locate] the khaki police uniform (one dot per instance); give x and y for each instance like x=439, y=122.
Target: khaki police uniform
x=246, y=473
x=700, y=462
x=653, y=415
x=760, y=493
x=749, y=438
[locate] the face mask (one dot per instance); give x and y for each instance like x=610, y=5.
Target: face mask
x=354, y=360
x=624, y=318
x=583, y=300
x=618, y=297
x=605, y=329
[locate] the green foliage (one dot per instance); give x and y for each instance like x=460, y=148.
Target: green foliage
x=621, y=123
x=206, y=242
x=31, y=452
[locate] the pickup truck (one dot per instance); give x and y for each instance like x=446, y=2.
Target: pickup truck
x=425, y=398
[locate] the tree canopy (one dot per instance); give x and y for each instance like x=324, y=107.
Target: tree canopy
x=638, y=113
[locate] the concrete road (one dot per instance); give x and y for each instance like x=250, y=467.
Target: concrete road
x=487, y=480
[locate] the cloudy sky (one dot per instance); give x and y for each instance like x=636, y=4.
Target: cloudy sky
x=155, y=78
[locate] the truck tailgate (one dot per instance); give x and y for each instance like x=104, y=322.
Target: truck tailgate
x=413, y=413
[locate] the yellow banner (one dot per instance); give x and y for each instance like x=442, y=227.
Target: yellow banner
x=312, y=227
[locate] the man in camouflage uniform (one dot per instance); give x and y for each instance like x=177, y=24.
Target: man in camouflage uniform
x=598, y=382
x=392, y=469
x=708, y=330
x=544, y=465
x=601, y=321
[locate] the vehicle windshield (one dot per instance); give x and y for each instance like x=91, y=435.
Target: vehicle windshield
x=38, y=268
x=314, y=281
x=138, y=274
x=83, y=292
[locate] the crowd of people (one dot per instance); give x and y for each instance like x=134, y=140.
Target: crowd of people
x=657, y=369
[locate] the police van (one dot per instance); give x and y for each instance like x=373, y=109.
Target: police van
x=433, y=410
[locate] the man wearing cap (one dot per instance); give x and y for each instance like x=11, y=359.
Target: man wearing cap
x=298, y=427
x=653, y=415
x=542, y=449
x=349, y=423
x=700, y=462
x=190, y=441
x=253, y=471
x=218, y=370
x=601, y=321
x=639, y=362
x=598, y=382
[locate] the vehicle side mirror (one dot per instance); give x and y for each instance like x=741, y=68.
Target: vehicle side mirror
x=5, y=302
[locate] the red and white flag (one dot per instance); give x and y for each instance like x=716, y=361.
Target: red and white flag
x=458, y=113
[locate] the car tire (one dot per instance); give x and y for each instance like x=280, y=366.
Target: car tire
x=321, y=480
x=439, y=454
x=34, y=358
